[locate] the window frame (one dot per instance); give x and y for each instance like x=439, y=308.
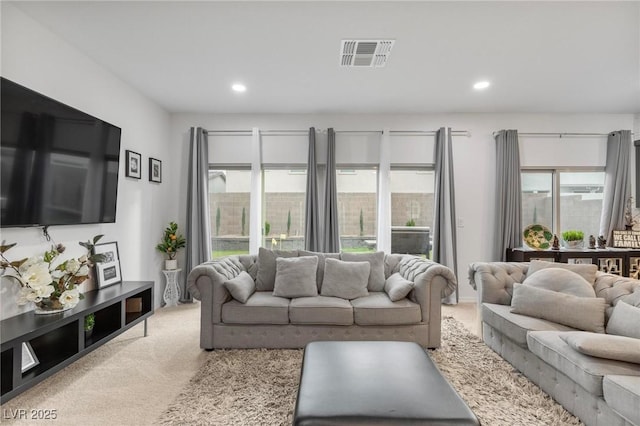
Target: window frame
x=555, y=186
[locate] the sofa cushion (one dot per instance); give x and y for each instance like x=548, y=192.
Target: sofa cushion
x=515, y=326
x=562, y=281
x=266, y=277
x=606, y=346
x=321, y=260
x=397, y=287
x=378, y=309
x=241, y=287
x=586, y=271
x=296, y=277
x=347, y=280
x=320, y=310
x=622, y=393
x=583, y=369
x=376, y=273
x=625, y=320
x=583, y=313
x=261, y=308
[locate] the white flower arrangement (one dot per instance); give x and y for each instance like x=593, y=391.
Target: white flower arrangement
x=47, y=283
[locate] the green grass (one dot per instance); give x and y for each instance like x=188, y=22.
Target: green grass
x=222, y=253
x=358, y=250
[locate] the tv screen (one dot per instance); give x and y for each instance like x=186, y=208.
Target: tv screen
x=58, y=165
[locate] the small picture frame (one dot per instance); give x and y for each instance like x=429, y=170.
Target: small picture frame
x=108, y=271
x=29, y=358
x=133, y=164
x=155, y=170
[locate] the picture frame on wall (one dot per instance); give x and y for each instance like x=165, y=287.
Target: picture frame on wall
x=107, y=271
x=29, y=358
x=155, y=170
x=133, y=164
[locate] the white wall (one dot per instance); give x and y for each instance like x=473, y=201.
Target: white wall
x=36, y=58
x=474, y=156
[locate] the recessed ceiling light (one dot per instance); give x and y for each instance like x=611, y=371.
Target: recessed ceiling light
x=239, y=87
x=481, y=85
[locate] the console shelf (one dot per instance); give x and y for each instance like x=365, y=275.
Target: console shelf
x=57, y=340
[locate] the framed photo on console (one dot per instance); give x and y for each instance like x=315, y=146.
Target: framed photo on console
x=107, y=271
x=155, y=170
x=133, y=164
x=29, y=358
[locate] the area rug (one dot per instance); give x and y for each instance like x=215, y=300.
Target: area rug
x=258, y=386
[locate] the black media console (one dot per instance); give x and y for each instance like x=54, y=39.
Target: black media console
x=59, y=339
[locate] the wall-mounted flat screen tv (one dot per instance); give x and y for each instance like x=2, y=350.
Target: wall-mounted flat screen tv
x=58, y=165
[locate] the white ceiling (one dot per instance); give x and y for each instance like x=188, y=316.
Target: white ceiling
x=539, y=56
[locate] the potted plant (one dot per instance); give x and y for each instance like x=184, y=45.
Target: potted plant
x=89, y=323
x=573, y=239
x=170, y=243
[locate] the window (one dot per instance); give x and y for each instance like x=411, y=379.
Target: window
x=283, y=209
x=563, y=200
x=412, y=205
x=229, y=201
x=357, y=209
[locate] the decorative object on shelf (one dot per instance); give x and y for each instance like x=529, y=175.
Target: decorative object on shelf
x=89, y=323
x=602, y=242
x=626, y=239
x=50, y=284
x=171, y=294
x=170, y=243
x=629, y=219
x=108, y=269
x=573, y=239
x=155, y=170
x=537, y=237
x=556, y=243
x=29, y=358
x=592, y=242
x=133, y=164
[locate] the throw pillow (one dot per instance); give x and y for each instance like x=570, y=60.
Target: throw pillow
x=583, y=313
x=560, y=280
x=624, y=321
x=296, y=277
x=347, y=280
x=586, y=271
x=619, y=348
x=266, y=277
x=241, y=287
x=397, y=288
x=321, y=258
x=376, y=274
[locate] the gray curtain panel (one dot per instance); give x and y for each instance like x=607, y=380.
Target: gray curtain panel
x=508, y=194
x=444, y=215
x=617, y=183
x=198, y=247
x=311, y=221
x=331, y=235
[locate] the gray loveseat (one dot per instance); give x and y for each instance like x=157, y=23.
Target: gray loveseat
x=266, y=320
x=557, y=357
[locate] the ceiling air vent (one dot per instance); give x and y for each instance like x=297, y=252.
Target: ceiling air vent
x=365, y=53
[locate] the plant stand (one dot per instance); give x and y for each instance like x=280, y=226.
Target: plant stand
x=171, y=294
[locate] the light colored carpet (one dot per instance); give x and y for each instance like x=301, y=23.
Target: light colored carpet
x=258, y=387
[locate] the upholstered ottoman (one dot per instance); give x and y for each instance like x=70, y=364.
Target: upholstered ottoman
x=347, y=383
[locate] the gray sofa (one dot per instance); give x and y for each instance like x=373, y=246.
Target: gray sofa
x=597, y=389
x=265, y=320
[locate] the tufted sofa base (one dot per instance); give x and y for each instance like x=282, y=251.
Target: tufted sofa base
x=594, y=411
x=293, y=336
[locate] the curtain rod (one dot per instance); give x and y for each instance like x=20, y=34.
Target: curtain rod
x=397, y=132
x=563, y=134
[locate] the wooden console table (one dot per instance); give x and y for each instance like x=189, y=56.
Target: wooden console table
x=57, y=340
x=618, y=261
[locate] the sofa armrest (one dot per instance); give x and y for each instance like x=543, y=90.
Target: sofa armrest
x=494, y=280
x=433, y=282
x=206, y=283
